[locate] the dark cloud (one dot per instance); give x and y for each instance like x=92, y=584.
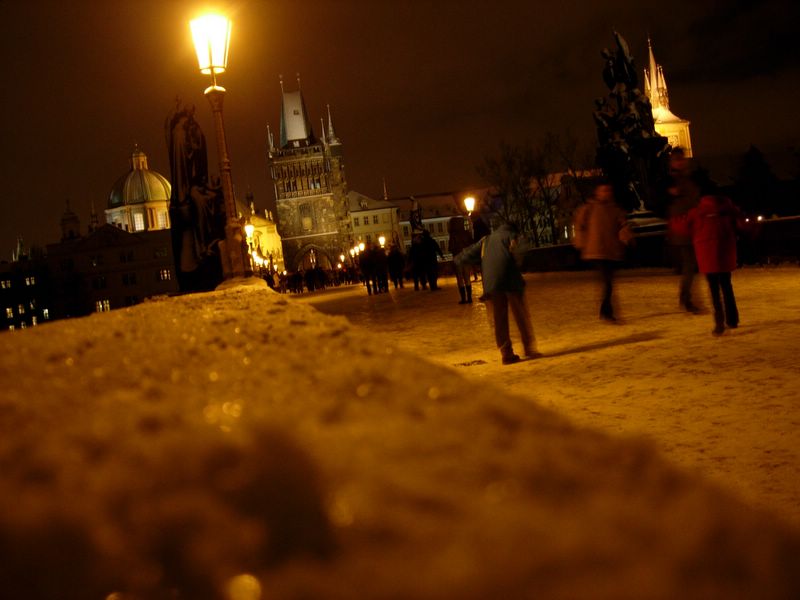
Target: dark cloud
x=421, y=90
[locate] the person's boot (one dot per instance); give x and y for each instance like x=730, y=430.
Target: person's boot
x=463, y=294
x=469, y=294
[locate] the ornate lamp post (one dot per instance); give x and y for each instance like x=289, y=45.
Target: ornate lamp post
x=211, y=35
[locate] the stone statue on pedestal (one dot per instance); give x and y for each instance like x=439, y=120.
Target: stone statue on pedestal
x=630, y=151
x=196, y=206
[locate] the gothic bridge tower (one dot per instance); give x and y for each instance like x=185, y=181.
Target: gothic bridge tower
x=310, y=188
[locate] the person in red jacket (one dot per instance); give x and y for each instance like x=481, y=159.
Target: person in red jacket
x=712, y=225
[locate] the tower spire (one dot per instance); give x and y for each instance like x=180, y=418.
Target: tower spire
x=331, y=133
x=322, y=128
x=385, y=190
x=655, y=86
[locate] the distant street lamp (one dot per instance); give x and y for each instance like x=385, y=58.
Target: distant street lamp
x=382, y=241
x=211, y=35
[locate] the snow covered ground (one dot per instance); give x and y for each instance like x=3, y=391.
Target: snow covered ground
x=726, y=407
x=240, y=445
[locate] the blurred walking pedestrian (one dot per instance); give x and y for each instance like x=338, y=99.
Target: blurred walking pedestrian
x=601, y=234
x=684, y=195
x=460, y=238
x=712, y=225
x=503, y=288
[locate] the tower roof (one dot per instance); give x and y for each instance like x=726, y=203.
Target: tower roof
x=295, y=125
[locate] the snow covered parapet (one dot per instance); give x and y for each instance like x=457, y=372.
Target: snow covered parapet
x=238, y=438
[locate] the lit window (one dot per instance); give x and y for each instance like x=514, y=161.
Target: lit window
x=9, y=313
x=165, y=274
x=11, y=328
x=34, y=321
x=355, y=223
x=46, y=313
x=5, y=284
x=162, y=220
x=21, y=309
x=30, y=280
x=102, y=305
x=22, y=325
x=138, y=222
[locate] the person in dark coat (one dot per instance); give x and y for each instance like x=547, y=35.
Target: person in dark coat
x=381, y=263
x=366, y=263
x=396, y=262
x=460, y=238
x=416, y=262
x=430, y=250
x=684, y=195
x=600, y=227
x=712, y=225
x=503, y=288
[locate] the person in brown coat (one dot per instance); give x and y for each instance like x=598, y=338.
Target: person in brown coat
x=601, y=233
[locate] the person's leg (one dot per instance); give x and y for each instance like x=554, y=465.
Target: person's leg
x=522, y=317
x=499, y=312
x=606, y=270
x=731, y=310
x=462, y=288
x=713, y=289
x=688, y=269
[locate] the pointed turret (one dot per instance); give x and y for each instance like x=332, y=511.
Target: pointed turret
x=70, y=225
x=93, y=220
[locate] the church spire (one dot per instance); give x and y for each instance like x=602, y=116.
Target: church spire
x=655, y=85
x=385, y=190
x=331, y=133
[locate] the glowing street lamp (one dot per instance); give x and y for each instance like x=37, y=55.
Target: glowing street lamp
x=212, y=35
x=382, y=241
x=469, y=204
x=361, y=246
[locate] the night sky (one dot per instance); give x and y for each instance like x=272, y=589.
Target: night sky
x=420, y=90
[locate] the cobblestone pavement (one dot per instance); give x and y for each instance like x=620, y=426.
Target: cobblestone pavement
x=725, y=406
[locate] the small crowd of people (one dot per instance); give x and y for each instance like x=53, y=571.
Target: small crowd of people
x=702, y=228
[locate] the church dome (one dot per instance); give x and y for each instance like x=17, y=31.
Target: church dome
x=140, y=185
